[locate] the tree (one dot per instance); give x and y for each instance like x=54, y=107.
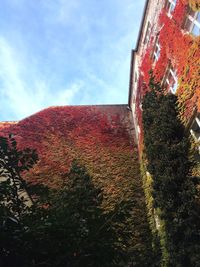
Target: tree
x=66, y=226
x=14, y=197
x=76, y=233
x=62, y=227
x=174, y=190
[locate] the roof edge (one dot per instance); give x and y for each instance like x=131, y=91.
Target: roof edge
x=142, y=24
x=133, y=51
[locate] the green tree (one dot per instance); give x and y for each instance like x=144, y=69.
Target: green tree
x=14, y=197
x=174, y=190
x=75, y=225
x=66, y=226
x=63, y=227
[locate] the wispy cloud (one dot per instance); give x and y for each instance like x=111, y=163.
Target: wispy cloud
x=59, y=52
x=18, y=94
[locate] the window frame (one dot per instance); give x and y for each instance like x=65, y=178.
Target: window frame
x=170, y=6
x=147, y=34
x=156, y=50
x=192, y=19
x=171, y=87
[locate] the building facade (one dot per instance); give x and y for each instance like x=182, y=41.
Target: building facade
x=105, y=138
x=169, y=46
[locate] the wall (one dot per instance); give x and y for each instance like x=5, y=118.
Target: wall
x=103, y=139
x=179, y=49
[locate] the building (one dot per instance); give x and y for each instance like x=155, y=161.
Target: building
x=169, y=45
x=105, y=138
x=101, y=138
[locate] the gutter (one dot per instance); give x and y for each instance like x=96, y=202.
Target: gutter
x=131, y=77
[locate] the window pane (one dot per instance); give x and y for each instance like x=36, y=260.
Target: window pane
x=170, y=78
x=158, y=53
x=188, y=25
x=191, y=13
x=196, y=30
x=196, y=130
x=167, y=5
x=147, y=35
x=174, y=87
x=198, y=17
x=196, y=127
x=171, y=9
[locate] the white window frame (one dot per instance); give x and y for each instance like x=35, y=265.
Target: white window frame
x=172, y=87
x=156, y=52
x=193, y=21
x=148, y=33
x=172, y=5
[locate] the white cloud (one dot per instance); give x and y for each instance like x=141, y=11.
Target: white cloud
x=64, y=96
x=70, y=51
x=21, y=96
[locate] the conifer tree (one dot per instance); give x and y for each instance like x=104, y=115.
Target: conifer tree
x=83, y=234
x=174, y=190
x=65, y=227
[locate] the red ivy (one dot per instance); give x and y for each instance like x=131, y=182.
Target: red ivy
x=180, y=49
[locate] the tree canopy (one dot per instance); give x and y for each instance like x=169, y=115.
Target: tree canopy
x=66, y=226
x=174, y=189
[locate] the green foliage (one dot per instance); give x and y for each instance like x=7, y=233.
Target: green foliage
x=14, y=197
x=99, y=138
x=174, y=191
x=76, y=225
x=151, y=214
x=68, y=226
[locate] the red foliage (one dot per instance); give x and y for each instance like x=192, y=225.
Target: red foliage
x=182, y=50
x=146, y=64
x=179, y=12
x=97, y=136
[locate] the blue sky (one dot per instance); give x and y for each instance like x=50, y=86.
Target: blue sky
x=65, y=52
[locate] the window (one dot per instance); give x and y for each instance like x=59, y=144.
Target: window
x=148, y=32
x=170, y=81
x=192, y=22
x=156, y=52
x=195, y=128
x=170, y=6
x=136, y=77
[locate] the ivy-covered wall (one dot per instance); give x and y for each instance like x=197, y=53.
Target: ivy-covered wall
x=165, y=44
x=182, y=50
x=97, y=136
x=101, y=138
